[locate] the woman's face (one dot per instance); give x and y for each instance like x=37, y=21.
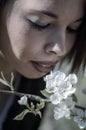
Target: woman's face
x=36, y=34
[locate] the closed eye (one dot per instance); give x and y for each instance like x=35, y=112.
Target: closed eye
x=71, y=30
x=38, y=26
x=74, y=28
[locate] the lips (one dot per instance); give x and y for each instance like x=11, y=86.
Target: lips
x=44, y=66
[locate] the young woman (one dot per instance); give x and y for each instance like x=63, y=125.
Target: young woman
x=34, y=36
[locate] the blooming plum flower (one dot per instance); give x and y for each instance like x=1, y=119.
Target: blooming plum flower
x=80, y=118
x=66, y=89
x=56, y=98
x=61, y=110
x=23, y=100
x=72, y=78
x=53, y=80
x=61, y=90
x=51, y=86
x=62, y=93
x=70, y=103
x=57, y=75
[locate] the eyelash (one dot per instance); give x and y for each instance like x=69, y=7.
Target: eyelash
x=41, y=27
x=70, y=30
x=37, y=26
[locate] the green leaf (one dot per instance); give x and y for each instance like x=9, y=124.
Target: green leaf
x=74, y=98
x=21, y=115
x=40, y=105
x=45, y=93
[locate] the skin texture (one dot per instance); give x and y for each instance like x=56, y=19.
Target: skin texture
x=22, y=43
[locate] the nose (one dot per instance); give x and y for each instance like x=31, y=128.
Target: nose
x=57, y=44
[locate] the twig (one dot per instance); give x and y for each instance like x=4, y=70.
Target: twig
x=30, y=96
x=80, y=107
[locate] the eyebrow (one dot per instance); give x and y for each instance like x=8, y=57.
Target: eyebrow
x=80, y=19
x=50, y=14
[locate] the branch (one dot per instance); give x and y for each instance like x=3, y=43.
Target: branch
x=30, y=96
x=80, y=107
x=34, y=97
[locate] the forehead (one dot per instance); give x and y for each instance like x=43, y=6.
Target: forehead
x=56, y=6
x=51, y=3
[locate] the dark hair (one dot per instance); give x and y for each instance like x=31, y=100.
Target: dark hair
x=78, y=52
x=2, y=2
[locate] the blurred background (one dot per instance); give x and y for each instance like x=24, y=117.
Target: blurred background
x=48, y=122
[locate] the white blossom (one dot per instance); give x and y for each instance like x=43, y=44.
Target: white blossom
x=62, y=110
x=72, y=78
x=23, y=100
x=62, y=93
x=70, y=103
x=66, y=89
x=58, y=113
x=61, y=90
x=57, y=83
x=55, y=78
x=80, y=118
x=51, y=86
x=56, y=98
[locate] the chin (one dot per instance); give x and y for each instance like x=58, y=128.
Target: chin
x=32, y=76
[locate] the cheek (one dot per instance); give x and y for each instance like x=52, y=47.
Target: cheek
x=26, y=45
x=25, y=41
x=70, y=42
x=17, y=37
